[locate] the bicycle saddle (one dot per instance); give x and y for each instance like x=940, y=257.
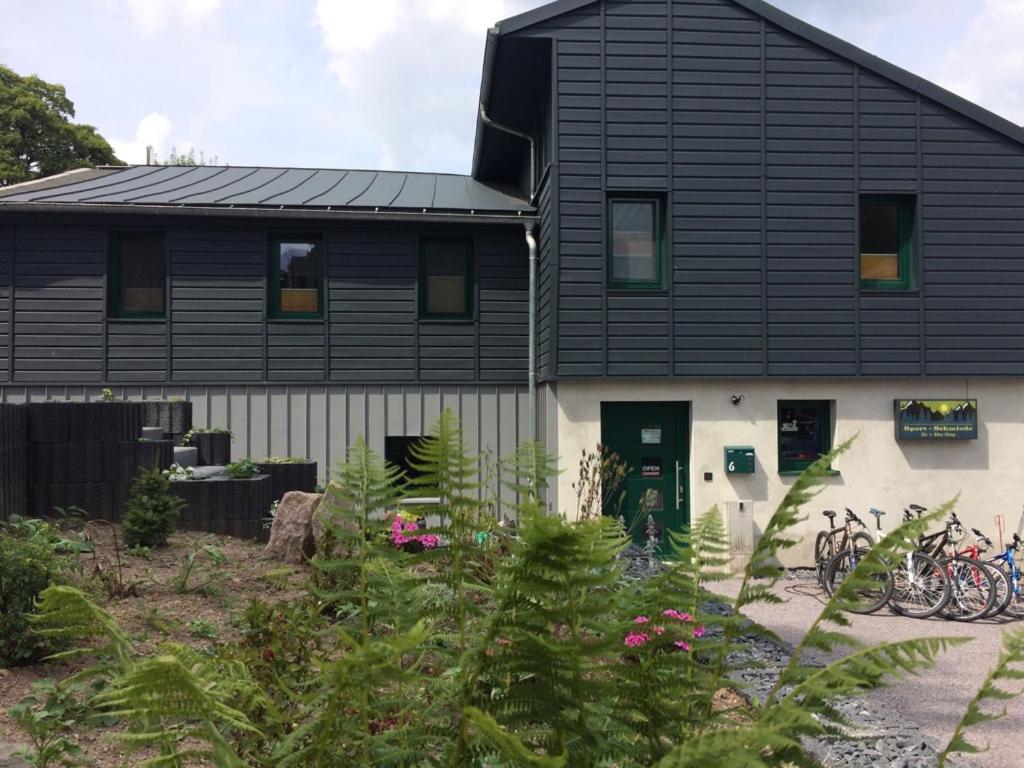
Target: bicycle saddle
x=918, y=508
x=876, y=512
x=829, y=514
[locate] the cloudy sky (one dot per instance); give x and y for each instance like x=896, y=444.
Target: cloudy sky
x=391, y=83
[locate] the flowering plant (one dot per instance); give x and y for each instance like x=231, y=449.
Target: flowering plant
x=403, y=533
x=637, y=638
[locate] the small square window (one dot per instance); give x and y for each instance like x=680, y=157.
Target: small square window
x=296, y=278
x=446, y=279
x=635, y=243
x=886, y=242
x=805, y=433
x=138, y=275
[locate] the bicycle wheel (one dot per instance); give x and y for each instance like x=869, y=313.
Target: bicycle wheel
x=972, y=589
x=1015, y=608
x=863, y=539
x=1004, y=590
x=920, y=587
x=822, y=554
x=869, y=598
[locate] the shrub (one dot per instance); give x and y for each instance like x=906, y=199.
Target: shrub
x=151, y=514
x=242, y=470
x=187, y=439
x=29, y=563
x=285, y=460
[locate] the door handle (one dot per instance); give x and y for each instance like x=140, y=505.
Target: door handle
x=678, y=500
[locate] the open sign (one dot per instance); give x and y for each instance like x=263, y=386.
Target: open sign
x=650, y=468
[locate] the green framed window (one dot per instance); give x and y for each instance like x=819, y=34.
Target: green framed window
x=138, y=275
x=805, y=433
x=635, y=242
x=446, y=279
x=296, y=280
x=887, y=242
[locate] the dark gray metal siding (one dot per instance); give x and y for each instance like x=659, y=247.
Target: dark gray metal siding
x=761, y=142
x=58, y=303
x=545, y=280
x=6, y=275
x=217, y=331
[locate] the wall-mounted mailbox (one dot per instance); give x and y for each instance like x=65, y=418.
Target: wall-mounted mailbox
x=739, y=460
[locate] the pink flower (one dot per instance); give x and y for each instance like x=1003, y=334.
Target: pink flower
x=658, y=630
x=636, y=639
x=641, y=620
x=672, y=613
x=682, y=645
x=698, y=632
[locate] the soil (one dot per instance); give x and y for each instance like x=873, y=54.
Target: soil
x=159, y=614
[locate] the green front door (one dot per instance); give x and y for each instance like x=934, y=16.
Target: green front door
x=652, y=439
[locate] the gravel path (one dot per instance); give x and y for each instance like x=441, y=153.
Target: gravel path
x=922, y=710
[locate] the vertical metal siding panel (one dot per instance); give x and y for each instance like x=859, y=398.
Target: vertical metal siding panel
x=200, y=413
x=470, y=408
x=217, y=300
x=277, y=420
x=431, y=407
x=298, y=411
x=811, y=303
x=508, y=419
x=395, y=401
x=357, y=414
x=413, y=411
x=317, y=436
x=375, y=419
x=259, y=428
x=58, y=304
x=718, y=180
x=238, y=408
x=337, y=400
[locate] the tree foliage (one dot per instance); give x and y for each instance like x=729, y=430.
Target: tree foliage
x=37, y=134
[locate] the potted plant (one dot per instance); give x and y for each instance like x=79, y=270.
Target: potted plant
x=289, y=473
x=214, y=444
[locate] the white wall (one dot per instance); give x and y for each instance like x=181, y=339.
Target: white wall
x=988, y=473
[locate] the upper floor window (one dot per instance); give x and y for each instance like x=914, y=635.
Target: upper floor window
x=635, y=249
x=296, y=278
x=887, y=242
x=138, y=275
x=446, y=279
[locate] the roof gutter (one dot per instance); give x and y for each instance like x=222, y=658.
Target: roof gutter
x=522, y=135
x=319, y=214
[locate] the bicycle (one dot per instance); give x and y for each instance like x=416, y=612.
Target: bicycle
x=1006, y=563
x=972, y=587
x=1004, y=592
x=871, y=598
x=826, y=548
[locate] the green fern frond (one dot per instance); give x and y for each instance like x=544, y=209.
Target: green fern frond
x=528, y=471
x=757, y=747
x=1009, y=669
x=508, y=745
x=65, y=613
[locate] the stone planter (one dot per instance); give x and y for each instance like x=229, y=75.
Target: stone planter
x=174, y=416
x=214, y=448
x=95, y=422
x=225, y=506
x=290, y=477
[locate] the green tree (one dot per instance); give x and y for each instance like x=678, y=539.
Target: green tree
x=37, y=135
x=186, y=158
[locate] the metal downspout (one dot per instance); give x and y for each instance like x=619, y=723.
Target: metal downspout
x=522, y=135
x=531, y=242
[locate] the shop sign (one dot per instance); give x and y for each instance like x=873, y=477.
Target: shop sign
x=936, y=419
x=650, y=436
x=650, y=468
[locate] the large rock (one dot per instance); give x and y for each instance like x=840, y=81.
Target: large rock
x=291, y=537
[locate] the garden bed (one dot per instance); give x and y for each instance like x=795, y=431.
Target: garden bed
x=226, y=506
x=159, y=615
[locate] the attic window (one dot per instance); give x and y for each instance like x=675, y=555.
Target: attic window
x=138, y=275
x=296, y=278
x=886, y=242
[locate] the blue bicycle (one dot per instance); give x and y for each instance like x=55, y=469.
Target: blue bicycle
x=1007, y=563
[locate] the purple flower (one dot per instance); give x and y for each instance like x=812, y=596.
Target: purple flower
x=682, y=645
x=636, y=639
x=698, y=632
x=641, y=620
x=672, y=613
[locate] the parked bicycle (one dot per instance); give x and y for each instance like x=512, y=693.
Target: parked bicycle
x=1003, y=591
x=1007, y=564
x=972, y=587
x=873, y=594
x=835, y=540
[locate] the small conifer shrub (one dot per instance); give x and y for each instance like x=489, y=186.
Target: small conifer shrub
x=151, y=514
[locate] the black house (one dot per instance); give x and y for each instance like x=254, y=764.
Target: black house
x=750, y=238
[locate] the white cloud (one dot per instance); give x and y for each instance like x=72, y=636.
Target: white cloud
x=988, y=66
x=154, y=130
x=350, y=26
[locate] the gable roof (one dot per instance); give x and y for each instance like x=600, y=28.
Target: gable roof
x=254, y=191
x=819, y=37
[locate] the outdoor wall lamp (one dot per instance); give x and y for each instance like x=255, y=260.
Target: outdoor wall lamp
x=737, y=399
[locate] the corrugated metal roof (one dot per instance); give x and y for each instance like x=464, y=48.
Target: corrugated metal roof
x=270, y=189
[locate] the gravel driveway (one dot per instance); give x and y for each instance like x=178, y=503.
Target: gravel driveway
x=936, y=699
